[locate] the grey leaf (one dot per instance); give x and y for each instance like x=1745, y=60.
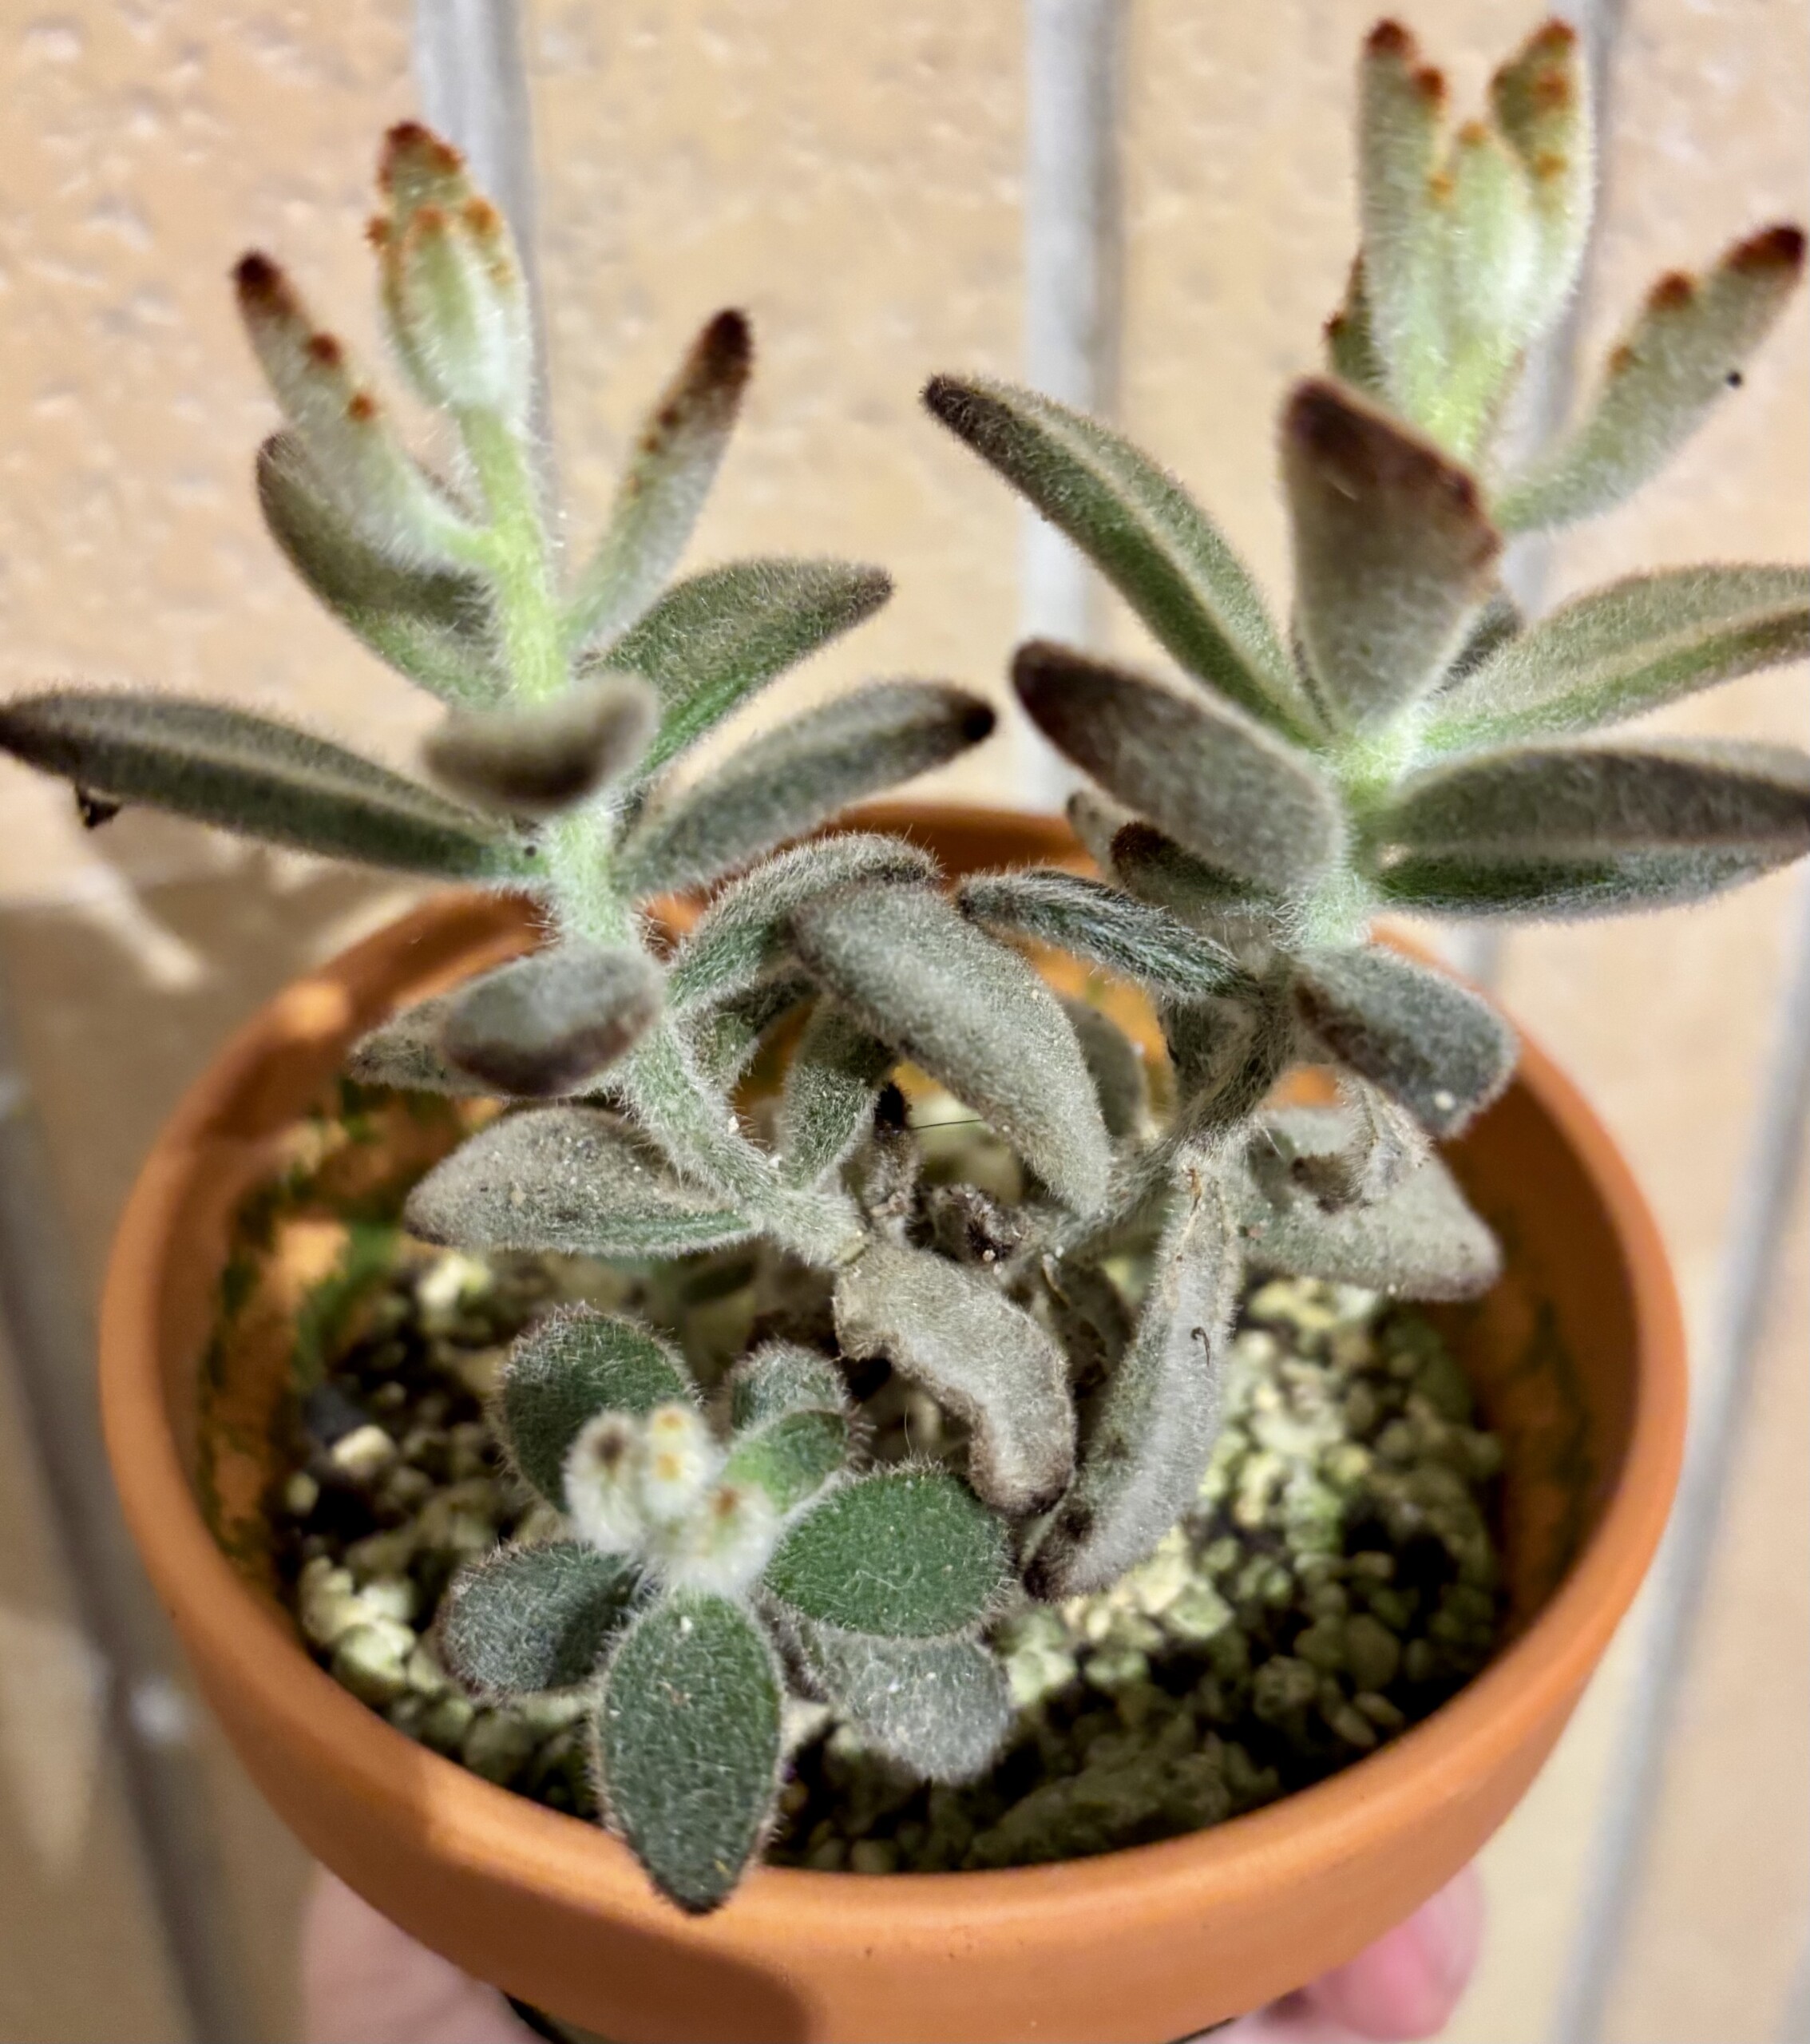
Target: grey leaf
x=1116, y=1065
x=526, y=1619
x=940, y=1708
x=550, y=1023
x=537, y=759
x=406, y=1052
x=831, y=1084
x=725, y=1040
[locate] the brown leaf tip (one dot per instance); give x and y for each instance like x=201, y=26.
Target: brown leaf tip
x=726, y=348
x=325, y=350
x=1474, y=135
x=1364, y=453
x=262, y=287
x=1429, y=82
x=361, y=407
x=1673, y=291
x=977, y=722
x=1390, y=38
x=1776, y=248
x=411, y=139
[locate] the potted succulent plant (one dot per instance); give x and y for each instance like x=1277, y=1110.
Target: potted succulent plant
x=1006, y=1385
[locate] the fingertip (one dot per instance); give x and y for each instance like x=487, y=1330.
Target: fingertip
x=1409, y=1983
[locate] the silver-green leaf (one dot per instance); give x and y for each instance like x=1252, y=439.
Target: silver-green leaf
x=831, y=1084
x=407, y=1052
x=537, y=759
x=940, y=1708
x=529, y=1619
x=550, y=1023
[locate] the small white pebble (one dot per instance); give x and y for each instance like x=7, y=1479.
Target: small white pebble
x=363, y=1452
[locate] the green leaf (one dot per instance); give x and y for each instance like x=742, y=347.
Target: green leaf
x=406, y=1052
x=566, y=1369
x=725, y=1040
x=1591, y=829
x=540, y=758
x=1351, y=340
x=782, y=1377
x=1393, y=554
x=1141, y=529
x=1443, y=1051
x=676, y=455
x=952, y=1330
x=783, y=785
x=1420, y=1241
x=1493, y=293
x=745, y=933
x=1148, y=1443
x=1542, y=102
x=1088, y=920
x=831, y=1084
x=550, y=1023
x=714, y=639
x=790, y=1457
x=254, y=777
x=972, y=1014
x=564, y=1179
x=529, y=1619
x=941, y=1707
x=688, y=1744
x=1690, y=343
x=1206, y=775
x=903, y=1553
x=433, y=624
x=1116, y=1066
x=1400, y=129
x=1618, y=651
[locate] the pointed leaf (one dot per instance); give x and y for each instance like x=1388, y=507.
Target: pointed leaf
x=566, y=1369
x=529, y=1619
x=714, y=639
x=903, y=1553
x=1351, y=340
x=669, y=475
x=433, y=624
x=1421, y=1242
x=790, y=1457
x=941, y=1707
x=1393, y=554
x=781, y=1377
x=951, y=1329
x=1569, y=831
x=1618, y=651
x=1141, y=529
x=688, y=1744
x=254, y=777
x=1688, y=346
x=1441, y=1050
x=1116, y=1066
x=548, y=1023
x=783, y=785
x=537, y=759
x=1149, y=1443
x=831, y=1085
x=973, y=1014
x=406, y=1052
x=1495, y=625
x=570, y=1179
x=1091, y=921
x=1542, y=102
x=1206, y=775
x=745, y=934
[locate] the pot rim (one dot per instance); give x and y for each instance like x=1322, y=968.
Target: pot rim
x=472, y=1822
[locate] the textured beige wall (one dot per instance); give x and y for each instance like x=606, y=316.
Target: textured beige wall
x=851, y=175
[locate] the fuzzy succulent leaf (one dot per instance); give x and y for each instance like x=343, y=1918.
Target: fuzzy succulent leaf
x=1421, y=1242
x=1088, y=920
x=1148, y=1443
x=724, y=1041
x=433, y=624
x=537, y=759
x=782, y=1377
x=1691, y=341
x=406, y=1052
x=1157, y=869
x=529, y=1618
x=688, y=1743
x=1620, y=651
x=1141, y=529
x=791, y=1457
x=564, y=1370
x=1351, y=340
x=783, y=785
x=677, y=453
x=1493, y=294
x=973, y=1014
x=1202, y=772
x=1384, y=1145
x=902, y=1553
x=952, y=1330
x=1541, y=103
x=745, y=934
x=1401, y=112
x=1593, y=830
x=550, y=1023
x=941, y=1707
x=714, y=639
x=831, y=1084
x=1393, y=553
x=1228, y=1054
x=565, y=1178
x=255, y=777
x=1441, y=1050
x=1116, y=1066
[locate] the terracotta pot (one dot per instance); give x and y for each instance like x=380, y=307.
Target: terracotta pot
x=1577, y=1357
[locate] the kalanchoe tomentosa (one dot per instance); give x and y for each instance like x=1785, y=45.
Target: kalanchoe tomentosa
x=1412, y=742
